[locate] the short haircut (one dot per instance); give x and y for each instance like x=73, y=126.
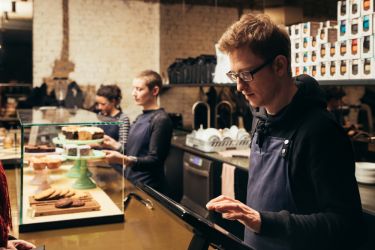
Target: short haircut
x=152, y=78
x=262, y=36
x=111, y=92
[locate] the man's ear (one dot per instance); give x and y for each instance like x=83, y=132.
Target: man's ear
x=280, y=65
x=155, y=91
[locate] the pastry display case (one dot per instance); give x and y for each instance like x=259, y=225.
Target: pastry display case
x=64, y=179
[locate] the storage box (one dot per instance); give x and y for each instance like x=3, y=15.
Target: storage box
x=367, y=46
x=305, y=43
x=329, y=24
x=313, y=58
x=305, y=69
x=310, y=29
x=355, y=69
x=367, y=68
x=342, y=70
x=333, y=68
x=296, y=31
x=343, y=30
x=367, y=7
x=355, y=8
x=354, y=49
x=313, y=69
x=366, y=26
x=313, y=44
x=354, y=28
x=332, y=51
x=342, y=50
x=296, y=45
x=297, y=58
x=296, y=70
x=323, y=52
x=343, y=10
x=327, y=35
x=322, y=71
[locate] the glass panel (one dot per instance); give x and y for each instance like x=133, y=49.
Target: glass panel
x=47, y=116
x=69, y=161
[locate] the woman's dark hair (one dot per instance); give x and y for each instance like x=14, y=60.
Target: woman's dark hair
x=111, y=92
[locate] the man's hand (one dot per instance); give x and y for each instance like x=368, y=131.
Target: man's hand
x=19, y=245
x=235, y=210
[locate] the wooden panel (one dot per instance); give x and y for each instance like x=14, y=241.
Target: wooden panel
x=32, y=201
x=47, y=207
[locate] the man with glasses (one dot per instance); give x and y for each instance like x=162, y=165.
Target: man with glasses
x=302, y=192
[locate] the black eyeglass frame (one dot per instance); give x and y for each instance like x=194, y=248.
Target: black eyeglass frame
x=244, y=75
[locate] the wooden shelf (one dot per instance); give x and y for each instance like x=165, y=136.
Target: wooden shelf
x=353, y=82
x=194, y=85
x=7, y=85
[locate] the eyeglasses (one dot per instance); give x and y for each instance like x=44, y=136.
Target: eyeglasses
x=247, y=76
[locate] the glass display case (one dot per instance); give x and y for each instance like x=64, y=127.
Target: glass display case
x=64, y=179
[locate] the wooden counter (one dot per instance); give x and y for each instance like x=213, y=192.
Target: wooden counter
x=143, y=229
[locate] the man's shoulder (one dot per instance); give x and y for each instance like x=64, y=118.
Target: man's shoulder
x=319, y=125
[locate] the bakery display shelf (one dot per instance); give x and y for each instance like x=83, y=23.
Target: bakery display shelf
x=58, y=151
x=43, y=126
x=96, y=154
x=10, y=153
x=60, y=140
x=101, y=210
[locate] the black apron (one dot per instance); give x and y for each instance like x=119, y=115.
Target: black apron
x=268, y=186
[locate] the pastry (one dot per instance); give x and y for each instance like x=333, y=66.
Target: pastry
x=83, y=150
x=64, y=192
x=31, y=148
x=70, y=193
x=8, y=141
x=44, y=194
x=70, y=132
x=56, y=195
x=46, y=148
x=38, y=163
x=78, y=203
x=90, y=133
x=70, y=149
x=80, y=196
x=53, y=163
x=64, y=203
x=39, y=148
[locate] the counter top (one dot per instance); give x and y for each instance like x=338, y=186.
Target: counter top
x=143, y=228
x=367, y=192
x=179, y=142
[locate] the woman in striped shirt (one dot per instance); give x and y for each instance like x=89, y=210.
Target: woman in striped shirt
x=108, y=99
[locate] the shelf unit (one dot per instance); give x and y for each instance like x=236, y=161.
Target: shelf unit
x=354, y=82
x=14, y=90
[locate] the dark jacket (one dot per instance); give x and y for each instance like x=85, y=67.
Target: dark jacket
x=321, y=174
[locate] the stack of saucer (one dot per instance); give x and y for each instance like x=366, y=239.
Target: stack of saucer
x=365, y=172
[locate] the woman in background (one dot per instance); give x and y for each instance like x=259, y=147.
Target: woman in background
x=108, y=99
x=149, y=137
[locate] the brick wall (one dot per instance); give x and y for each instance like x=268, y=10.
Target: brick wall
x=110, y=41
x=189, y=31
